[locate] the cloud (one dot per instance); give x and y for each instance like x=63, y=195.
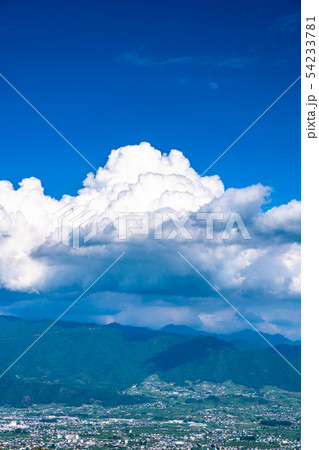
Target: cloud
x=236, y=62
x=212, y=85
x=287, y=23
x=284, y=218
x=138, y=179
x=182, y=80
x=221, y=321
x=136, y=58
x=25, y=222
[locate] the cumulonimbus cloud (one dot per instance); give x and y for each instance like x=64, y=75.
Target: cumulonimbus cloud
x=139, y=179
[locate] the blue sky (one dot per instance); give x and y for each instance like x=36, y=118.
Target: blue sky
x=181, y=74
x=190, y=75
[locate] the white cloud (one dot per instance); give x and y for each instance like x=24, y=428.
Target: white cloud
x=284, y=218
x=154, y=316
x=136, y=179
x=140, y=178
x=25, y=222
x=224, y=321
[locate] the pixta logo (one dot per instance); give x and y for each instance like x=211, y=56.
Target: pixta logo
x=168, y=225
x=74, y=224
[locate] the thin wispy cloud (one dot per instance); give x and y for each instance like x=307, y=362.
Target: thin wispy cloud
x=182, y=80
x=287, y=23
x=136, y=58
x=236, y=62
x=213, y=85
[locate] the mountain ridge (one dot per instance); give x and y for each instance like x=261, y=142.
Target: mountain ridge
x=73, y=360
x=184, y=330
x=247, y=334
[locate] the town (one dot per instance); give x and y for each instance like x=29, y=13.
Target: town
x=196, y=415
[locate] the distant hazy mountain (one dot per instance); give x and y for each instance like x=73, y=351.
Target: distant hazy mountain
x=78, y=363
x=287, y=350
x=183, y=330
x=245, y=336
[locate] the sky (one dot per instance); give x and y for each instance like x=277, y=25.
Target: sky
x=184, y=75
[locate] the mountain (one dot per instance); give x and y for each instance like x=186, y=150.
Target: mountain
x=247, y=338
x=287, y=350
x=182, y=330
x=75, y=363
x=251, y=336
